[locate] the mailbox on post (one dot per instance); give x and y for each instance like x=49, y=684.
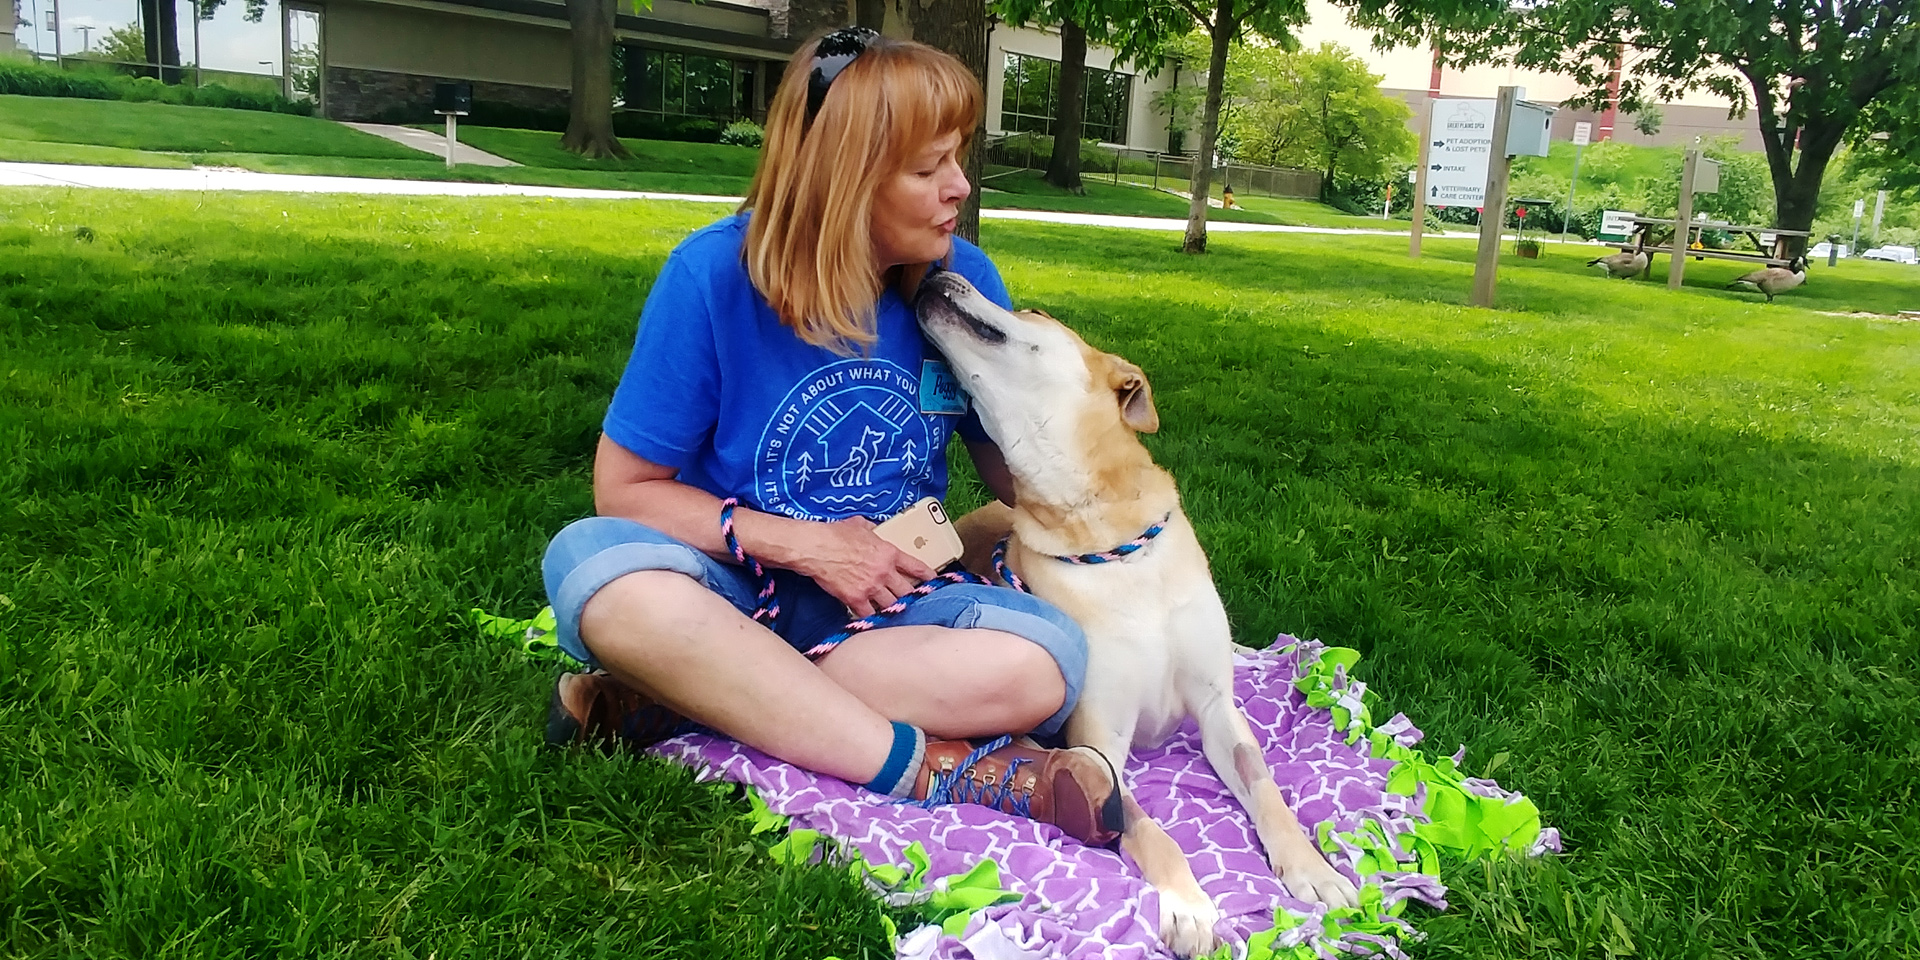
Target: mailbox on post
x=453, y=99
x=1529, y=129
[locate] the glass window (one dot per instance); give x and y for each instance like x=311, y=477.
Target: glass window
x=661, y=81
x=1030, y=93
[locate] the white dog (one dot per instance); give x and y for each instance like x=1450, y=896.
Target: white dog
x=1066, y=416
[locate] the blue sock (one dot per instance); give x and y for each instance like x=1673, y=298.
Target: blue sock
x=897, y=775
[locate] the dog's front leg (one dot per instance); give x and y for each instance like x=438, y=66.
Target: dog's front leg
x=1228, y=741
x=1187, y=915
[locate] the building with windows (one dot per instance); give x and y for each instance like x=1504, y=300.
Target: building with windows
x=1122, y=108
x=716, y=59
x=381, y=58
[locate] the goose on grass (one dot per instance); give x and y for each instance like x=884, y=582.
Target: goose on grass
x=1773, y=280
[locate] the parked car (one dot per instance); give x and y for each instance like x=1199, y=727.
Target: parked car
x=1892, y=253
x=1822, y=249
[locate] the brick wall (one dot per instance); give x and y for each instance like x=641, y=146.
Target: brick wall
x=381, y=96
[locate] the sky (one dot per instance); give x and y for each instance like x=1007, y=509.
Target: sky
x=227, y=42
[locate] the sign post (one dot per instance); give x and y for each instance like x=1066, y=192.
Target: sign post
x=1582, y=135
x=1493, y=203
x=1419, y=175
x=1879, y=207
x=1683, y=218
x=1459, y=152
x=1859, y=207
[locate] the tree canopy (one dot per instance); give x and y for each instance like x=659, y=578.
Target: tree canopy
x=1321, y=109
x=1809, y=68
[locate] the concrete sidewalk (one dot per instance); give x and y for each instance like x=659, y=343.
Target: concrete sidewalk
x=227, y=178
x=426, y=141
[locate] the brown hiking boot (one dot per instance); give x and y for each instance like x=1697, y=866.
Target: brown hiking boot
x=591, y=706
x=1075, y=789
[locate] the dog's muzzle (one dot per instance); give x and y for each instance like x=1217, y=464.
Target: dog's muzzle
x=939, y=300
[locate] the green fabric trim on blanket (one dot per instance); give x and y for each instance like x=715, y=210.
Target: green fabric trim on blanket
x=949, y=901
x=1458, y=822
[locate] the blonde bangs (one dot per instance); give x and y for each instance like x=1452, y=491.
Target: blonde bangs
x=808, y=249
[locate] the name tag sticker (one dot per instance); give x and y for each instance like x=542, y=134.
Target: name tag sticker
x=939, y=391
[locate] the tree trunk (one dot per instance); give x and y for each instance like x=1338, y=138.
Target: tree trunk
x=590, y=110
x=1224, y=27
x=871, y=14
x=960, y=27
x=1796, y=193
x=1063, y=168
x=1797, y=197
x=1326, y=183
x=162, y=38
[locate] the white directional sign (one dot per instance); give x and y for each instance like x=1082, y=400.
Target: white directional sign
x=1457, y=157
x=1582, y=134
x=1616, y=225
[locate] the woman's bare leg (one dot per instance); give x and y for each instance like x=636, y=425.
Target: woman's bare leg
x=950, y=683
x=663, y=633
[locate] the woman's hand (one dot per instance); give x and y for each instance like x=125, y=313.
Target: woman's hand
x=848, y=560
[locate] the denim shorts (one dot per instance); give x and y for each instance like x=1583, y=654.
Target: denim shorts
x=591, y=553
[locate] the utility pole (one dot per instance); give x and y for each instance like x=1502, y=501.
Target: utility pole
x=1493, y=208
x=55, y=16
x=1879, y=207
x=196, y=44
x=85, y=31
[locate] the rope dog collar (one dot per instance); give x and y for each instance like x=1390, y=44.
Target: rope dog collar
x=767, y=610
x=1120, y=552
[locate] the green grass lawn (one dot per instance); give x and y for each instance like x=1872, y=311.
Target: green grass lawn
x=115, y=133
x=1024, y=190
x=1655, y=556
x=165, y=127
x=538, y=148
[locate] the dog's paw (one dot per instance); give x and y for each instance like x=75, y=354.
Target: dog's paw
x=1186, y=923
x=1319, y=882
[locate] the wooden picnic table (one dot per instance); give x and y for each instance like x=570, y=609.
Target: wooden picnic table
x=1771, y=257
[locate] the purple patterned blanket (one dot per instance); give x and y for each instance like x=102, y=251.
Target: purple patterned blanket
x=1383, y=812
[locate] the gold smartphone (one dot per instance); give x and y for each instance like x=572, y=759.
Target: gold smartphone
x=924, y=531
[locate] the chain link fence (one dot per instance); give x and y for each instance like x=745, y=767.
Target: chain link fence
x=1012, y=153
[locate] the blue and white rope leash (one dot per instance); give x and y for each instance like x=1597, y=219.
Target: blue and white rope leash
x=1120, y=552
x=767, y=608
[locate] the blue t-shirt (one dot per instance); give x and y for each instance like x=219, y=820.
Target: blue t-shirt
x=720, y=390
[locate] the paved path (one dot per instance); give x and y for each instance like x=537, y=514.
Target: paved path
x=427, y=141
x=227, y=178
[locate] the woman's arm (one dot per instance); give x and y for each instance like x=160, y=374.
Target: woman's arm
x=844, y=556
x=991, y=465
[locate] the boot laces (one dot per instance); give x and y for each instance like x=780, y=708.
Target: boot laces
x=954, y=786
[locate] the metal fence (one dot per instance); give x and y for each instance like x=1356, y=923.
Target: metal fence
x=1011, y=153
x=1253, y=181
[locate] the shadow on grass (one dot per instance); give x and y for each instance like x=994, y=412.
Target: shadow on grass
x=264, y=470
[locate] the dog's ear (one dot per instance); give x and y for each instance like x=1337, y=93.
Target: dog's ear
x=1134, y=394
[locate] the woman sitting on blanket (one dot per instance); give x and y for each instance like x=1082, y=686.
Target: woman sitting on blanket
x=779, y=364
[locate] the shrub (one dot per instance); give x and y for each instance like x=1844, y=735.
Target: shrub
x=34, y=80
x=743, y=133
x=650, y=126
